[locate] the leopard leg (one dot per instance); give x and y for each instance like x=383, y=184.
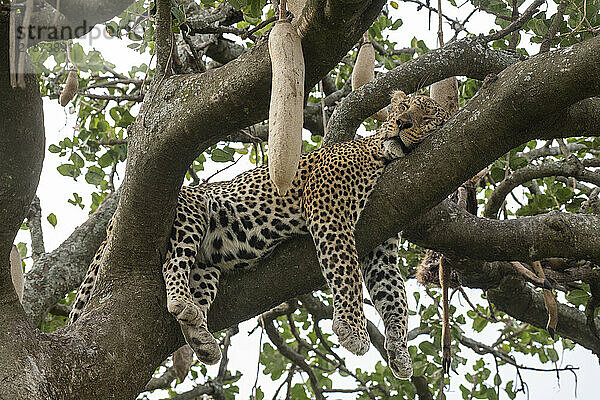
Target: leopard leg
x=89, y=282
x=339, y=264
x=204, y=280
x=386, y=288
x=186, y=236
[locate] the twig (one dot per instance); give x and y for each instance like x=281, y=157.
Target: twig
x=514, y=334
x=221, y=170
x=258, y=27
x=111, y=177
x=124, y=97
x=112, y=142
x=287, y=381
x=558, y=17
x=262, y=330
x=481, y=348
x=395, y=52
x=294, y=357
x=110, y=83
x=517, y=24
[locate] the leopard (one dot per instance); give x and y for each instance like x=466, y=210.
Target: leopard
x=221, y=227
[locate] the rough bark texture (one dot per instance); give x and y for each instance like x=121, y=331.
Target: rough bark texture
x=22, y=146
x=470, y=57
x=448, y=228
x=126, y=332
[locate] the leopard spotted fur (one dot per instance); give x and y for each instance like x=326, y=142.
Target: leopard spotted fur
x=227, y=226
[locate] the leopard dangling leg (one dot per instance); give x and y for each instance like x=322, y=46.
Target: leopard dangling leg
x=339, y=264
x=204, y=280
x=186, y=237
x=386, y=288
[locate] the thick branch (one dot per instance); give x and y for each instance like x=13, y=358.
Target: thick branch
x=21, y=156
x=448, y=228
x=485, y=129
x=470, y=57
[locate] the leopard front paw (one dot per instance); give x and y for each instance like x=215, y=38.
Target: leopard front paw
x=203, y=343
x=355, y=340
x=186, y=312
x=398, y=357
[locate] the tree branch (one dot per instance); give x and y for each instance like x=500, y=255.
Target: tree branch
x=470, y=57
x=447, y=228
x=571, y=167
x=516, y=24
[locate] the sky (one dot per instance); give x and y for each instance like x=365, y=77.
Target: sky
x=54, y=190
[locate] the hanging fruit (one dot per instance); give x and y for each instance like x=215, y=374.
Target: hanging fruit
x=287, y=102
x=71, y=86
x=364, y=71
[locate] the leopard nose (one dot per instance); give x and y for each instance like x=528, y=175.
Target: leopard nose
x=404, y=124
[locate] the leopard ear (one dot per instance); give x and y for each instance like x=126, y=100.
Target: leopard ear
x=398, y=97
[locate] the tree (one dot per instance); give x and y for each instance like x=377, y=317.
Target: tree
x=512, y=100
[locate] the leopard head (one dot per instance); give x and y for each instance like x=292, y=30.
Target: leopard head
x=411, y=119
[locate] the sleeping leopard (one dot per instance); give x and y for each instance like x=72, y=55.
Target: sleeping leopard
x=227, y=226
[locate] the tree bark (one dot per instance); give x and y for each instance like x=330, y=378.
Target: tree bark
x=22, y=144
x=126, y=331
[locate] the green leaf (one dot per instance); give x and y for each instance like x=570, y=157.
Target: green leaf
x=105, y=160
x=112, y=28
x=52, y=219
x=76, y=201
x=577, y=297
x=479, y=323
x=77, y=160
x=54, y=149
x=237, y=4
x=77, y=53
x=219, y=155
x=552, y=354
x=94, y=175
x=67, y=170
x=298, y=392
x=22, y=248
x=428, y=348
x=102, y=126
x=497, y=174
x=396, y=24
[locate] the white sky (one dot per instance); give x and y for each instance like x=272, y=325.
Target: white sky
x=54, y=190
